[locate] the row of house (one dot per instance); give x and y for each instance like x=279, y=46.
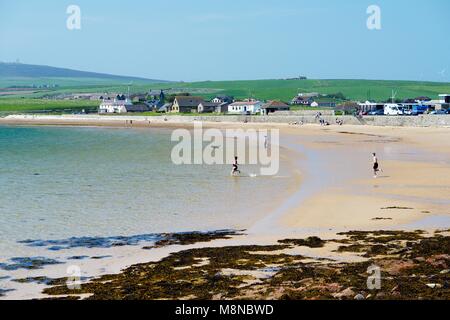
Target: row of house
x=224, y=104
x=155, y=101
x=192, y=104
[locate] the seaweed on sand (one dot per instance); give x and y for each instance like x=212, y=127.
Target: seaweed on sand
x=411, y=267
x=312, y=242
x=186, y=238
x=382, y=236
x=178, y=275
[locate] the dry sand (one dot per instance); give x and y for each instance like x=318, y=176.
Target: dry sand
x=414, y=184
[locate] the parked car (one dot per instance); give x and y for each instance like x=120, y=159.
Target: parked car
x=378, y=112
x=438, y=112
x=407, y=111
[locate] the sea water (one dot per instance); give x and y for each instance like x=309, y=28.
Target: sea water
x=61, y=183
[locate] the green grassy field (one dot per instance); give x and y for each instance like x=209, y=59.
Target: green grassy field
x=284, y=90
x=359, y=90
x=27, y=104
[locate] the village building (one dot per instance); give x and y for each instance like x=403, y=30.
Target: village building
x=442, y=103
x=273, y=106
x=208, y=107
x=120, y=104
x=422, y=99
x=223, y=99
x=444, y=99
x=323, y=103
x=154, y=94
x=186, y=104
x=167, y=107
x=245, y=107
x=303, y=101
x=155, y=99
x=223, y=107
x=138, y=98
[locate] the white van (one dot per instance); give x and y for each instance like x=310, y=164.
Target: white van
x=392, y=109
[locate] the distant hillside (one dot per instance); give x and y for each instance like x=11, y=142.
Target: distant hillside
x=361, y=90
x=21, y=74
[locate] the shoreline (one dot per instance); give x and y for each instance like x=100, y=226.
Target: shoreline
x=295, y=119
x=283, y=222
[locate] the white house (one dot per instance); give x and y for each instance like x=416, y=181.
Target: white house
x=245, y=107
x=444, y=98
x=222, y=99
x=115, y=106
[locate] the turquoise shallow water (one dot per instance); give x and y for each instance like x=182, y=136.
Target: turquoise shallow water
x=62, y=182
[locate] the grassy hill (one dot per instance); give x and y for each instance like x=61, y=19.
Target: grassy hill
x=19, y=74
x=359, y=90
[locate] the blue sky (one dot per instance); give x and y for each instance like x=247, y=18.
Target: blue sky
x=233, y=39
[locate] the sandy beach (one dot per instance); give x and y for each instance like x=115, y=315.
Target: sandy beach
x=333, y=192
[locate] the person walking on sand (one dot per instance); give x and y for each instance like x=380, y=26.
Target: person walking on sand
x=235, y=167
x=376, y=166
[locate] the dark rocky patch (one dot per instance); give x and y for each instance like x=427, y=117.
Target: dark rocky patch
x=77, y=257
x=28, y=263
x=192, y=237
x=3, y=291
x=312, y=242
x=90, y=242
x=46, y=280
x=100, y=257
x=108, y=242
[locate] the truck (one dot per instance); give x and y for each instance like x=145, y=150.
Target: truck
x=392, y=109
x=418, y=109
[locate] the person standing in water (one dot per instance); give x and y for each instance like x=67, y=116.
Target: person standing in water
x=235, y=167
x=375, y=165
